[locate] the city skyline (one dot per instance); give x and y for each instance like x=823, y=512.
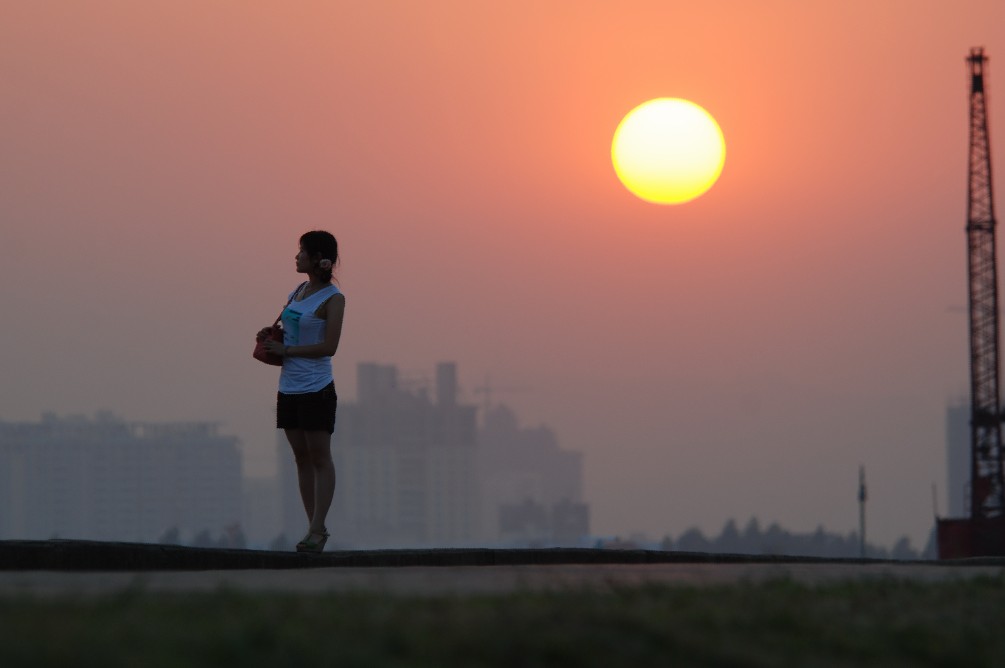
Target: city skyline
x=85, y=497
x=271, y=507
x=414, y=470
x=743, y=353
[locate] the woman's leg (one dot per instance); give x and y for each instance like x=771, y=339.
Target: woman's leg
x=318, y=446
x=305, y=468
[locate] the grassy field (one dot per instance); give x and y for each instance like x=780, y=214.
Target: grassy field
x=781, y=623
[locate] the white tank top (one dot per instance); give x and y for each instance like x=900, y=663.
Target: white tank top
x=302, y=328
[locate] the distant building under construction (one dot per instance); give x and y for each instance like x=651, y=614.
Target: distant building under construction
x=413, y=469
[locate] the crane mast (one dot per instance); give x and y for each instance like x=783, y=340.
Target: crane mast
x=987, y=488
x=982, y=533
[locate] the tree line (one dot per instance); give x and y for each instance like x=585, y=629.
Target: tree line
x=778, y=541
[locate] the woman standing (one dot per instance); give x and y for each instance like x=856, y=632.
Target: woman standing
x=306, y=402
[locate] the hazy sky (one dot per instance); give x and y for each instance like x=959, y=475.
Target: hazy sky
x=739, y=355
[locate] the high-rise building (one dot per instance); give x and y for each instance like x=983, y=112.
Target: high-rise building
x=957, y=457
x=405, y=466
x=532, y=489
x=107, y=479
x=412, y=469
x=262, y=518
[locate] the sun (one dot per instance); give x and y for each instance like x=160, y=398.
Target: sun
x=668, y=150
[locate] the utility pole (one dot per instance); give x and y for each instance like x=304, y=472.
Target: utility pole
x=861, y=510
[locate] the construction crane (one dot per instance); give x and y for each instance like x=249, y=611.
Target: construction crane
x=488, y=389
x=983, y=532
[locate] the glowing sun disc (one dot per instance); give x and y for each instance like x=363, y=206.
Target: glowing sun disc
x=668, y=151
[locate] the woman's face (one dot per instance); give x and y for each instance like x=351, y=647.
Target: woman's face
x=303, y=261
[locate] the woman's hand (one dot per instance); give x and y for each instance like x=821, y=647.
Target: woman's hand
x=275, y=347
x=263, y=333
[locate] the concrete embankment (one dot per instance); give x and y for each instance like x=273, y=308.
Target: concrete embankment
x=83, y=555
x=58, y=567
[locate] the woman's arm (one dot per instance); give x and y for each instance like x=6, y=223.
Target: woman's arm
x=332, y=311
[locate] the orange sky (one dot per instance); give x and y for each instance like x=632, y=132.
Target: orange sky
x=736, y=356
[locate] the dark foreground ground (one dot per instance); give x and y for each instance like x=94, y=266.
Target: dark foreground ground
x=99, y=604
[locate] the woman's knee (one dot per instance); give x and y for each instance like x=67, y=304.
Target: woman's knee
x=321, y=458
x=318, y=446
x=303, y=458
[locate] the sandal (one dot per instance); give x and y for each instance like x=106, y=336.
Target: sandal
x=313, y=542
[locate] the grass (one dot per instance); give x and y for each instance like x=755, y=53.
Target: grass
x=781, y=623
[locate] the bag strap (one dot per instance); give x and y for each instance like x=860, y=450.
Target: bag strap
x=289, y=301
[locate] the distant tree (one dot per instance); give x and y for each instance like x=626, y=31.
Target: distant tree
x=729, y=540
x=752, y=534
x=775, y=540
x=818, y=542
x=853, y=546
x=667, y=543
x=280, y=543
x=203, y=539
x=616, y=543
x=233, y=537
x=693, y=540
x=902, y=550
x=170, y=537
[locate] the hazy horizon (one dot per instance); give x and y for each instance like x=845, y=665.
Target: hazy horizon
x=737, y=356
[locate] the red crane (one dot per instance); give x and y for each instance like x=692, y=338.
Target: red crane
x=983, y=532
